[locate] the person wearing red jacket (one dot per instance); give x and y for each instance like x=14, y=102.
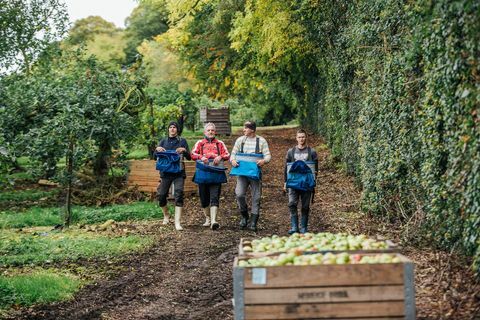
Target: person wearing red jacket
x=210, y=151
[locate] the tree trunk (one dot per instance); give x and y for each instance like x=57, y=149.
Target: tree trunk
x=100, y=166
x=153, y=133
x=68, y=205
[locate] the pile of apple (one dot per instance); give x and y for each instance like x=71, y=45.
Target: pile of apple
x=313, y=242
x=286, y=259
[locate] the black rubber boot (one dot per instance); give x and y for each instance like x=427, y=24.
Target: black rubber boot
x=244, y=220
x=304, y=221
x=294, y=224
x=253, y=223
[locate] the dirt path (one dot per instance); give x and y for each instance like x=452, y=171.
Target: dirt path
x=188, y=275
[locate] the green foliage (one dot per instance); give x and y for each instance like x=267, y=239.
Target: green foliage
x=24, y=195
x=147, y=20
x=47, y=247
x=37, y=287
x=35, y=217
x=88, y=28
x=398, y=105
x=28, y=28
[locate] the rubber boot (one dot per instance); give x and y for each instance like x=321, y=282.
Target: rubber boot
x=244, y=220
x=304, y=221
x=166, y=219
x=206, y=213
x=178, y=216
x=253, y=223
x=294, y=224
x=213, y=218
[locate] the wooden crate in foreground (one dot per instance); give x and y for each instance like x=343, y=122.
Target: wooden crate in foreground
x=340, y=291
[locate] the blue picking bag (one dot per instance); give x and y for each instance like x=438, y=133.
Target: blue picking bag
x=168, y=161
x=208, y=174
x=300, y=175
x=247, y=166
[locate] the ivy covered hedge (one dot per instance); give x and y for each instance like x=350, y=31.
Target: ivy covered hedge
x=400, y=107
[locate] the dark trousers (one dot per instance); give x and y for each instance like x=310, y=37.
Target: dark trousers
x=304, y=196
x=164, y=186
x=209, y=194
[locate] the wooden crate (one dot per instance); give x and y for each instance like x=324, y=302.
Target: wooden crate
x=341, y=291
x=392, y=248
x=143, y=174
x=220, y=117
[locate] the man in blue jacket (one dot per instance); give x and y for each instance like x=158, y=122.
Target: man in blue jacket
x=304, y=153
x=173, y=142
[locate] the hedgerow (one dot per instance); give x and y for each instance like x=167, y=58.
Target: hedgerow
x=400, y=108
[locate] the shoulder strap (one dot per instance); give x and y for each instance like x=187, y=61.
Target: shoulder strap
x=257, y=146
x=291, y=155
x=243, y=142
x=218, y=148
x=309, y=152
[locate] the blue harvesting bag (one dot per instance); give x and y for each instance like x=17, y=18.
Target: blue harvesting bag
x=247, y=166
x=209, y=174
x=168, y=161
x=300, y=175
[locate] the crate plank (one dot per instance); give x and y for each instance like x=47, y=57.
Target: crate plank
x=324, y=294
x=329, y=275
x=326, y=310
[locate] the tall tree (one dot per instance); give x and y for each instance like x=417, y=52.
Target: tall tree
x=148, y=19
x=27, y=28
x=86, y=29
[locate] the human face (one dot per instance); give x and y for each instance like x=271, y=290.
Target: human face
x=210, y=132
x=301, y=139
x=248, y=132
x=172, y=131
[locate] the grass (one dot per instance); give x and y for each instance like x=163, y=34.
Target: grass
x=38, y=287
x=26, y=195
x=47, y=247
x=36, y=217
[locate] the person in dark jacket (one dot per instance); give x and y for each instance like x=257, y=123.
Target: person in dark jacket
x=210, y=151
x=173, y=142
x=305, y=153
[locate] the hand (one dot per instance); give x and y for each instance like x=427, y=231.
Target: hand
x=260, y=163
x=204, y=160
x=285, y=187
x=234, y=163
x=217, y=160
x=160, y=149
x=180, y=150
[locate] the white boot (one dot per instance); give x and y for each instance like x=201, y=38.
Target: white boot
x=213, y=218
x=206, y=213
x=166, y=219
x=178, y=216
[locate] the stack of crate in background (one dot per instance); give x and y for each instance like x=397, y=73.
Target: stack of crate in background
x=306, y=282
x=220, y=117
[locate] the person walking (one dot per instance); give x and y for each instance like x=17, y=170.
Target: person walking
x=301, y=183
x=247, y=149
x=210, y=173
x=173, y=143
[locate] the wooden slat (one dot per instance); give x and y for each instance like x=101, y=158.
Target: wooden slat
x=362, y=318
x=329, y=310
x=329, y=275
x=324, y=294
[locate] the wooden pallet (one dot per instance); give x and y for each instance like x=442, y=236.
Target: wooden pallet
x=142, y=173
x=343, y=291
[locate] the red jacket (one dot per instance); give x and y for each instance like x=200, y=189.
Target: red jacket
x=210, y=149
